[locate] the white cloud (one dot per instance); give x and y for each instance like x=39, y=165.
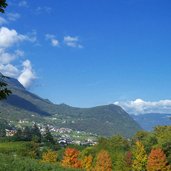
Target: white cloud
x=19, y=53
x=27, y=75
x=9, y=65
x=9, y=70
x=53, y=40
x=140, y=106
x=6, y=57
x=49, y=36
x=3, y=21
x=10, y=37
x=23, y=4
x=45, y=9
x=13, y=16
x=72, y=42
x=8, y=18
x=68, y=41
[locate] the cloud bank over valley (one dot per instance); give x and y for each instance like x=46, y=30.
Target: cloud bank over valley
x=140, y=106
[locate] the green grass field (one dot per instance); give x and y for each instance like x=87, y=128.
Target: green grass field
x=12, y=147
x=12, y=159
x=13, y=163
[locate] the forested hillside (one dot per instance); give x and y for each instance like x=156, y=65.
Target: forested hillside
x=104, y=120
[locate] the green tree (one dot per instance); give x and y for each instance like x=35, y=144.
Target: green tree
x=3, y=125
x=120, y=163
x=148, y=139
x=115, y=143
x=139, y=157
x=4, y=91
x=18, y=135
x=32, y=150
x=26, y=134
x=36, y=134
x=163, y=135
x=2, y=132
x=3, y=5
x=48, y=138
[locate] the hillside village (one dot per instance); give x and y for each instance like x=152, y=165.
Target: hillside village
x=63, y=136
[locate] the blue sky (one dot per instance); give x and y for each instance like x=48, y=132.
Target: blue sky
x=89, y=52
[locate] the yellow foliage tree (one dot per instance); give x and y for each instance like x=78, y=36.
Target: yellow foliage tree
x=140, y=157
x=49, y=156
x=87, y=162
x=104, y=162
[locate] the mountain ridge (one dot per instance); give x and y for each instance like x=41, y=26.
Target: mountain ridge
x=105, y=120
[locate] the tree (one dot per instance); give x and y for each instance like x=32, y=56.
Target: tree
x=70, y=158
x=163, y=136
x=18, y=135
x=157, y=161
x=140, y=157
x=48, y=138
x=3, y=126
x=87, y=162
x=120, y=163
x=2, y=132
x=4, y=91
x=148, y=139
x=27, y=136
x=3, y=5
x=128, y=160
x=115, y=143
x=104, y=162
x=32, y=150
x=36, y=134
x=49, y=156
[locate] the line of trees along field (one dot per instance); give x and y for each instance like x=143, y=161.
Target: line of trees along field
x=146, y=151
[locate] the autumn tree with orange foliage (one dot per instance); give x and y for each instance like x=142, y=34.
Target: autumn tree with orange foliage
x=87, y=162
x=49, y=156
x=70, y=158
x=157, y=161
x=104, y=162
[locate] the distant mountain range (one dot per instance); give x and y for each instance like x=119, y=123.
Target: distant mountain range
x=151, y=120
x=104, y=120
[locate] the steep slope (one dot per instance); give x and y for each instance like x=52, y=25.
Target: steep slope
x=104, y=120
x=24, y=105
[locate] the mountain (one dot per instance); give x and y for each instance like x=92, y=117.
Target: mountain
x=151, y=120
x=106, y=120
